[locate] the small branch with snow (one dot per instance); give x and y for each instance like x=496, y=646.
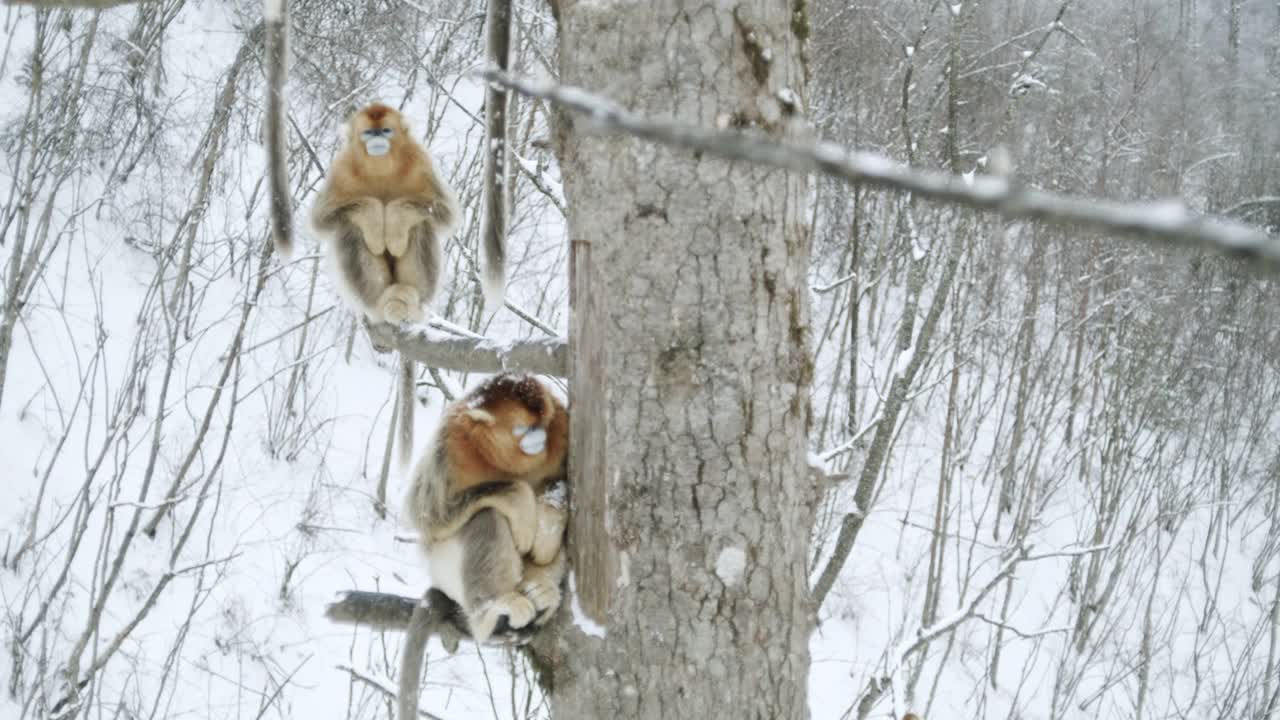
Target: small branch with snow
x=149, y=506
x=1168, y=222
x=851, y=443
x=1020, y=633
x=1071, y=552
x=548, y=356
x=87, y=4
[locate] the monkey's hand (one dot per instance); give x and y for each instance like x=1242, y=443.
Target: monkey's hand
x=367, y=215
x=541, y=584
x=402, y=215
x=522, y=515
x=550, y=533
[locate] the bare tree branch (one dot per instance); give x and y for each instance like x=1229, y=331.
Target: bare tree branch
x=1169, y=222
x=546, y=356
x=382, y=611
x=91, y=4
x=381, y=687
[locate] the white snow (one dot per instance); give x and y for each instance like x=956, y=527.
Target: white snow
x=273, y=10
x=580, y=619
x=624, y=570
x=557, y=495
x=730, y=565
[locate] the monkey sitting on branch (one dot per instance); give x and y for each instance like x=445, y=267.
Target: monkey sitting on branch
x=385, y=211
x=483, y=502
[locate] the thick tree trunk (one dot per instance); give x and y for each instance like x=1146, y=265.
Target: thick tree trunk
x=690, y=373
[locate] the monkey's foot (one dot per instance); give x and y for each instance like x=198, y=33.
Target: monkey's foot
x=517, y=609
x=544, y=595
x=400, y=303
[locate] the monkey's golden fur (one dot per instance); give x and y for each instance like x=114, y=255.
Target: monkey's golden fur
x=491, y=532
x=478, y=463
x=387, y=215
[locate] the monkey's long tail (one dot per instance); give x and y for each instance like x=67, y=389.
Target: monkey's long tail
x=277, y=164
x=493, y=222
x=407, y=401
x=415, y=646
x=493, y=233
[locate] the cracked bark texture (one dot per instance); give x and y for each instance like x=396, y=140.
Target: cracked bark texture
x=691, y=369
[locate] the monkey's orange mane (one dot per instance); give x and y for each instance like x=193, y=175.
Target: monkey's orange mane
x=406, y=173
x=482, y=452
x=377, y=112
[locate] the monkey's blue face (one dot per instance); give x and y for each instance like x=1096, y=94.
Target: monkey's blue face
x=377, y=141
x=533, y=441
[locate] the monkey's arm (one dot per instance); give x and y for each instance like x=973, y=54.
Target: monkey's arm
x=401, y=217
x=332, y=212
x=367, y=214
x=513, y=500
x=549, y=537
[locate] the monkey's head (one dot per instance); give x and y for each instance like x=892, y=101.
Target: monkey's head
x=376, y=130
x=509, y=422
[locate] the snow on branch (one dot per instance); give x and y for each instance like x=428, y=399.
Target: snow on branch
x=546, y=356
x=94, y=4
x=1168, y=222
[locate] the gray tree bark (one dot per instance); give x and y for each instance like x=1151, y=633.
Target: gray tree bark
x=690, y=372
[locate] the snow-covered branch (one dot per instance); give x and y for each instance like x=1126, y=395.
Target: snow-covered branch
x=91, y=4
x=383, y=611
x=546, y=356
x=1168, y=222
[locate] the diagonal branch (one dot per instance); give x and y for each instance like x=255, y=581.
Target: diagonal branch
x=1167, y=223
